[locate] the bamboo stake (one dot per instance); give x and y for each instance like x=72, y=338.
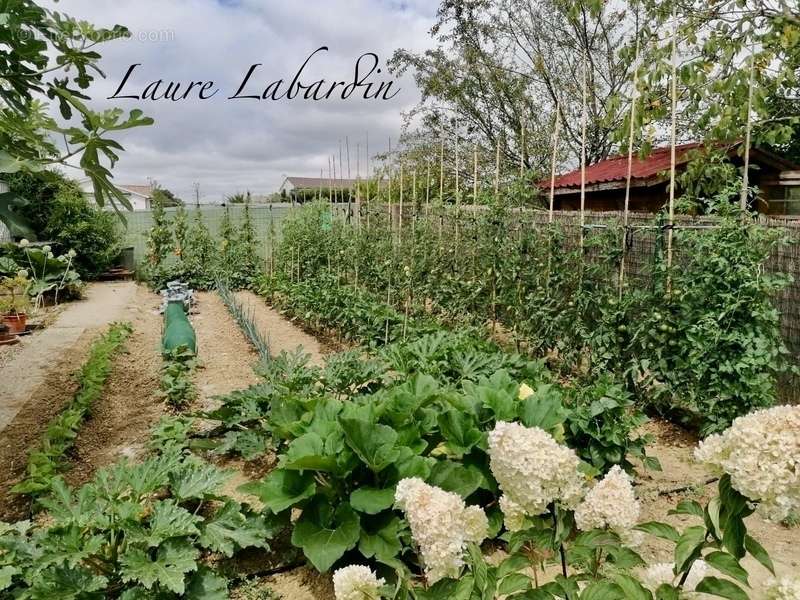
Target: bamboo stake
x=441, y=170
x=673, y=137
x=475, y=174
x=584, y=118
x=625, y=214
x=341, y=174
x=358, y=190
x=349, y=180
x=456, y=166
x=497, y=170
x=367, y=151
x=400, y=216
x=522, y=151
x=748, y=131
x=330, y=181
x=428, y=191
x=553, y=163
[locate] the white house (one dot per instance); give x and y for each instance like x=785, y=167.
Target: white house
x=138, y=195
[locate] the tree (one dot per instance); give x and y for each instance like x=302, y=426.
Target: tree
x=501, y=67
x=167, y=198
x=733, y=55
x=45, y=55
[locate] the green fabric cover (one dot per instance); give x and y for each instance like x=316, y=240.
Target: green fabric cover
x=177, y=329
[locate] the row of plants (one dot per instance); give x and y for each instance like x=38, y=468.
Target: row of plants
x=700, y=342
x=154, y=529
x=403, y=461
x=245, y=319
x=45, y=462
x=183, y=248
x=177, y=371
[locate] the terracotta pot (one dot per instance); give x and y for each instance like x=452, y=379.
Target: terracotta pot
x=4, y=333
x=16, y=322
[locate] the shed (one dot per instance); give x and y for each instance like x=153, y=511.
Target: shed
x=776, y=178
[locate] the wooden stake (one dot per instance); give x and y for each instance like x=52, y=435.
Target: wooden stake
x=497, y=170
x=400, y=217
x=428, y=191
x=475, y=174
x=441, y=170
x=630, y=170
x=584, y=119
x=748, y=131
x=553, y=163
x=673, y=137
x=522, y=151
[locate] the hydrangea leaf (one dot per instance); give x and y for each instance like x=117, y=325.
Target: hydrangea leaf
x=372, y=500
x=172, y=561
x=230, y=529
x=324, y=534
x=373, y=443
x=380, y=537
x=282, y=489
x=543, y=408
x=459, y=430
x=455, y=477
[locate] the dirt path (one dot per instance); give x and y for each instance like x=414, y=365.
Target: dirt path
x=121, y=419
x=27, y=369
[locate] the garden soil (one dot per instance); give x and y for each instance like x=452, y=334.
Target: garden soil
x=121, y=419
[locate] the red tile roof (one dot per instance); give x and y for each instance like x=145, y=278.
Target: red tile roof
x=616, y=167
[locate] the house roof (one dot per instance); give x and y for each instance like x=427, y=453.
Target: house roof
x=615, y=168
x=321, y=183
x=140, y=190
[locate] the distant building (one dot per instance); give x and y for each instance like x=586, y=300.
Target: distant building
x=304, y=186
x=777, y=179
x=139, y=196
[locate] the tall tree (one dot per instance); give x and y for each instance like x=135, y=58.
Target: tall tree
x=502, y=67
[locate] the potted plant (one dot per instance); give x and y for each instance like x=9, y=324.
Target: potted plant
x=14, y=301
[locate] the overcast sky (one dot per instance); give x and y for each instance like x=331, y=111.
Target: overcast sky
x=237, y=145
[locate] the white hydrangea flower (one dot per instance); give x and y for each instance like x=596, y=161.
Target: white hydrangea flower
x=72, y=254
x=22, y=273
x=533, y=469
x=441, y=526
x=46, y=249
x=23, y=243
x=524, y=391
x=785, y=588
x=610, y=504
x=513, y=514
x=761, y=453
x=660, y=573
x=356, y=582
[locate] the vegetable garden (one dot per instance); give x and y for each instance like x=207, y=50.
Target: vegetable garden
x=481, y=434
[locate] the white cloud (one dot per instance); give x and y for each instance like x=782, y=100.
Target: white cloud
x=234, y=145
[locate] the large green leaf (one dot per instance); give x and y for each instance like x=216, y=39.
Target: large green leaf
x=372, y=500
x=168, y=520
x=455, y=477
x=173, y=560
x=282, y=489
x=230, y=529
x=373, y=443
x=197, y=481
x=543, y=408
x=324, y=534
x=309, y=452
x=459, y=430
x=380, y=536
x=727, y=565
